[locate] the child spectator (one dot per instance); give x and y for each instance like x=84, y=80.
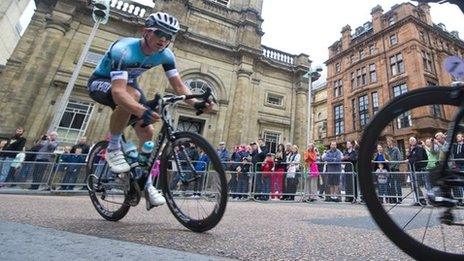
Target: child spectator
x=382, y=180
x=267, y=169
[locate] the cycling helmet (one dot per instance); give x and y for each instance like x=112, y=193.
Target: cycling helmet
x=162, y=21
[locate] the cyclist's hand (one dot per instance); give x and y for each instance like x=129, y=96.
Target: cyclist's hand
x=204, y=106
x=149, y=117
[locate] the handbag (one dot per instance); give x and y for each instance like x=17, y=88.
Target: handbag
x=291, y=172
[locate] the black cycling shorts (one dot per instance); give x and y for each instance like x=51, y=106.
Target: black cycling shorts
x=100, y=91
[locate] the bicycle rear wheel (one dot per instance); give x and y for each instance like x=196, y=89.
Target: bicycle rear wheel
x=417, y=230
x=193, y=181
x=105, y=190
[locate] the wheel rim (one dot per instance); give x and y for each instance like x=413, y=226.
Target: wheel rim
x=198, y=204
x=411, y=228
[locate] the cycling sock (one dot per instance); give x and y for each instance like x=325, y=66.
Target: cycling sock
x=149, y=181
x=114, y=143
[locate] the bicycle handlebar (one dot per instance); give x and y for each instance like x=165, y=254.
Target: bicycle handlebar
x=170, y=99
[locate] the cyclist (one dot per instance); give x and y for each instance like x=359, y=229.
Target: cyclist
x=114, y=83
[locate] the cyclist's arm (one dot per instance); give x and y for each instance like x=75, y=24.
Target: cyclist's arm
x=180, y=88
x=122, y=98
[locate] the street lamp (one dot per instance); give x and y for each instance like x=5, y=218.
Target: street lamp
x=313, y=75
x=100, y=14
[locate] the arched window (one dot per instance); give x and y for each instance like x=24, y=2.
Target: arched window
x=198, y=85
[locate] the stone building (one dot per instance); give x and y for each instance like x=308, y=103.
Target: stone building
x=397, y=51
x=10, y=14
x=319, y=113
x=260, y=90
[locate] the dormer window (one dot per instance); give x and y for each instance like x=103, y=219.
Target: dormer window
x=221, y=2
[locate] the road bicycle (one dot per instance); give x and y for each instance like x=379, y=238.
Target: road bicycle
x=195, y=191
x=428, y=231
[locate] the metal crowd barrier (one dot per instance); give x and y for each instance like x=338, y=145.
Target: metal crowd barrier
x=400, y=182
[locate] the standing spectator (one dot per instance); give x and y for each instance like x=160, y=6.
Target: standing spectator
x=417, y=158
x=310, y=158
x=395, y=179
x=243, y=177
x=293, y=175
x=382, y=182
x=333, y=158
x=28, y=163
x=74, y=165
x=458, y=156
x=288, y=151
x=82, y=143
x=277, y=178
x=266, y=170
x=200, y=167
x=13, y=174
x=48, y=145
x=222, y=152
x=350, y=155
x=258, y=154
x=13, y=146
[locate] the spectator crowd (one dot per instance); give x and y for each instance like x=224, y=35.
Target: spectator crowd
x=253, y=169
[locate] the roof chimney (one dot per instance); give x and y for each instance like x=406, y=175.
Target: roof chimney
x=376, y=13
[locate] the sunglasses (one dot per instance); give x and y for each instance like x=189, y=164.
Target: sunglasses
x=161, y=34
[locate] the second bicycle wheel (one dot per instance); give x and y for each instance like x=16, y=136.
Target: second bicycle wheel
x=193, y=181
x=395, y=191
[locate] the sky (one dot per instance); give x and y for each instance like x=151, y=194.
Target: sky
x=310, y=26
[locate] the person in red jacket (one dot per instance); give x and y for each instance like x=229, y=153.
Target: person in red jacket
x=277, y=178
x=267, y=169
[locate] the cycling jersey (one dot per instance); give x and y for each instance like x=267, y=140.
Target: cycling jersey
x=125, y=56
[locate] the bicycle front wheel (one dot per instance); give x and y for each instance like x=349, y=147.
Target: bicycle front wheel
x=105, y=191
x=193, y=181
x=396, y=197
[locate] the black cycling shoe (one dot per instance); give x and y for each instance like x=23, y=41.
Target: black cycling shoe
x=439, y=198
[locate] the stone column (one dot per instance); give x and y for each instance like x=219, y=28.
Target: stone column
x=26, y=90
x=238, y=120
x=301, y=116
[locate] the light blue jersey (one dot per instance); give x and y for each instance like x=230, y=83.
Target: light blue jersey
x=126, y=56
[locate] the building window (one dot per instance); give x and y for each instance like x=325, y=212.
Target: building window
x=93, y=58
x=393, y=39
x=198, y=86
x=435, y=109
x=375, y=102
x=352, y=59
x=337, y=67
x=364, y=76
x=396, y=64
x=353, y=78
x=221, y=2
x=372, y=73
x=272, y=140
x=427, y=61
x=338, y=120
x=358, y=77
x=353, y=114
x=74, y=121
x=422, y=36
x=190, y=124
x=274, y=99
x=391, y=20
x=338, y=88
x=404, y=120
x=363, y=103
x=372, y=50
x=362, y=54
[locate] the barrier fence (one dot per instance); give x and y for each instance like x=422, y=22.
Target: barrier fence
x=395, y=181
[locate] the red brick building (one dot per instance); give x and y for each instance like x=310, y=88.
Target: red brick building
x=397, y=51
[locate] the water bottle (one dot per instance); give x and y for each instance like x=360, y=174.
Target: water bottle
x=131, y=153
x=147, y=149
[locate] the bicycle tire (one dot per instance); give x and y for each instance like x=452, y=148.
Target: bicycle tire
x=90, y=167
x=196, y=225
x=414, y=99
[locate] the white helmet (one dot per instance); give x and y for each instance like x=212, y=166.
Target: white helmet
x=163, y=21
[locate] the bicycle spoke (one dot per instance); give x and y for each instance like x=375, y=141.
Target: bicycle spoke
x=427, y=225
x=413, y=217
x=397, y=204
x=443, y=236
